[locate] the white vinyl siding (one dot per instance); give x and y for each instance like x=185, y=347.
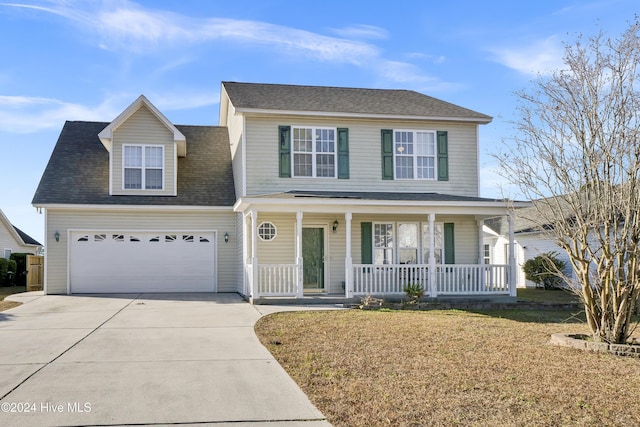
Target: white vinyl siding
x=144, y=129
x=146, y=219
x=235, y=125
x=8, y=241
x=365, y=162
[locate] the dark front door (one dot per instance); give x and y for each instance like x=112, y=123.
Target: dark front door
x=313, y=258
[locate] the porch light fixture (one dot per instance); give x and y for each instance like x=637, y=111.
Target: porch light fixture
x=57, y=236
x=226, y=237
x=335, y=226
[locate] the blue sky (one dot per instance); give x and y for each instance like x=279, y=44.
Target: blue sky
x=88, y=60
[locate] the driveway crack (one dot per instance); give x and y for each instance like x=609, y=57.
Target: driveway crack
x=69, y=348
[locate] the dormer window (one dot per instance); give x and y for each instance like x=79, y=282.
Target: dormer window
x=143, y=167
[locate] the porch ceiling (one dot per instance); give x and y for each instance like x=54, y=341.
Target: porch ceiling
x=375, y=202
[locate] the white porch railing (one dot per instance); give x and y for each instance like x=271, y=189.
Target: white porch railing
x=387, y=279
x=278, y=279
x=450, y=279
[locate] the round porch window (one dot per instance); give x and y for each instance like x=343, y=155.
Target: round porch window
x=267, y=231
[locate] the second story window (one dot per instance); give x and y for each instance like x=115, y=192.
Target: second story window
x=314, y=152
x=143, y=167
x=415, y=154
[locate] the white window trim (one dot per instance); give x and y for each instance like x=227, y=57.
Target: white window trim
x=415, y=155
x=143, y=167
x=396, y=249
x=4, y=254
x=275, y=231
x=314, y=153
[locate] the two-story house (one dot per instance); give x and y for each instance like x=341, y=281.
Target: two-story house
x=301, y=190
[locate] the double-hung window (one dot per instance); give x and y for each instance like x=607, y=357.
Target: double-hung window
x=383, y=244
x=314, y=152
x=401, y=243
x=143, y=167
x=414, y=154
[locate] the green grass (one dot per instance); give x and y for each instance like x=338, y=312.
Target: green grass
x=547, y=295
x=10, y=290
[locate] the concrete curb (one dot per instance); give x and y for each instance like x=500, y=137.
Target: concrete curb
x=581, y=342
x=25, y=297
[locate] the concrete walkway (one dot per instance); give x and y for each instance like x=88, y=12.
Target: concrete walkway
x=145, y=359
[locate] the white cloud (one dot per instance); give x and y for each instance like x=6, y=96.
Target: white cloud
x=22, y=114
x=361, y=32
x=126, y=26
x=538, y=57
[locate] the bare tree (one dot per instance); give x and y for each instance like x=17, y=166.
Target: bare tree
x=576, y=154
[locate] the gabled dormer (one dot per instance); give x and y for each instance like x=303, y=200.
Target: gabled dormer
x=143, y=147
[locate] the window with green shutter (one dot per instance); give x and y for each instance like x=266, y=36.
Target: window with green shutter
x=449, y=244
x=366, y=242
x=343, y=153
x=284, y=133
x=387, y=154
x=443, y=156
x=414, y=154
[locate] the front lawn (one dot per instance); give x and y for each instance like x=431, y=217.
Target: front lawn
x=442, y=368
x=547, y=295
x=10, y=290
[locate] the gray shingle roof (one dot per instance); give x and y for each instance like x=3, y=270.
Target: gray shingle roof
x=385, y=196
x=28, y=240
x=78, y=170
x=390, y=102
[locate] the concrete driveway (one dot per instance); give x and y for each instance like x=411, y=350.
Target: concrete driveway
x=145, y=359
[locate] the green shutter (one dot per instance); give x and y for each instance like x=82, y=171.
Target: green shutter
x=343, y=153
x=443, y=156
x=387, y=154
x=449, y=244
x=284, y=133
x=366, y=242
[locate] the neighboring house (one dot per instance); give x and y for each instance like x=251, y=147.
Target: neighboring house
x=528, y=243
x=301, y=190
x=14, y=240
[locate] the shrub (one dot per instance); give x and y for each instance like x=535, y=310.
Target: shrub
x=6, y=267
x=20, y=270
x=414, y=292
x=545, y=270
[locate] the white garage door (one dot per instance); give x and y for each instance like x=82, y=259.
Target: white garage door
x=107, y=262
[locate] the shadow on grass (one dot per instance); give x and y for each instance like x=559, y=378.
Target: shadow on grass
x=535, y=316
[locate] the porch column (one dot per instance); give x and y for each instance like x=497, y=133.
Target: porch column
x=512, y=258
x=433, y=289
x=254, y=256
x=299, y=260
x=348, y=262
x=246, y=284
x=482, y=271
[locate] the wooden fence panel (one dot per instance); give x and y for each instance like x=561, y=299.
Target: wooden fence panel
x=35, y=273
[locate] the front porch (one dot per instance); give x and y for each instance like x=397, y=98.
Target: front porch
x=335, y=250
x=441, y=280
